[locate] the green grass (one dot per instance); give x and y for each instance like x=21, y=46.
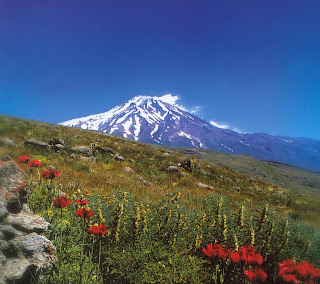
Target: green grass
x=157, y=229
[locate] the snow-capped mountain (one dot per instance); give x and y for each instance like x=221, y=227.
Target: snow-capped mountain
x=159, y=120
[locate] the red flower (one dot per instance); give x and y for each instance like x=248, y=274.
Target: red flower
x=246, y=255
x=216, y=251
x=24, y=159
x=255, y=259
x=99, y=230
x=50, y=174
x=84, y=213
x=304, y=271
x=81, y=202
x=61, y=202
x=235, y=257
x=290, y=278
x=34, y=163
x=255, y=275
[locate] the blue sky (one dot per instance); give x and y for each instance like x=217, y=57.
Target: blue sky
x=251, y=65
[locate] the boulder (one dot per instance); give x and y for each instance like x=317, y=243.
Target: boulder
x=6, y=142
x=118, y=157
x=36, y=143
x=172, y=169
x=128, y=170
x=104, y=150
x=205, y=186
x=186, y=164
x=58, y=147
x=23, y=253
x=84, y=150
x=57, y=141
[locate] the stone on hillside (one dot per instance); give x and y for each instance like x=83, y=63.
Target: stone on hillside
x=206, y=186
x=186, y=164
x=72, y=157
x=104, y=150
x=57, y=141
x=6, y=142
x=237, y=188
x=128, y=170
x=23, y=253
x=58, y=147
x=36, y=143
x=118, y=157
x=88, y=159
x=173, y=169
x=27, y=222
x=84, y=150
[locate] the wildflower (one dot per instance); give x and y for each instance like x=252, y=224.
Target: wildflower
x=61, y=202
x=99, y=230
x=247, y=255
x=82, y=202
x=50, y=213
x=84, y=213
x=50, y=174
x=256, y=274
x=216, y=251
x=34, y=164
x=24, y=159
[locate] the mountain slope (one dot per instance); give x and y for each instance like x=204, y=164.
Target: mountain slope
x=153, y=120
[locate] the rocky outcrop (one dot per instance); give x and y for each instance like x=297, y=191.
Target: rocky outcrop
x=84, y=150
x=36, y=143
x=23, y=252
x=6, y=142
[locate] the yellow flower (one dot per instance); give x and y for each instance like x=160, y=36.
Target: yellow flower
x=50, y=213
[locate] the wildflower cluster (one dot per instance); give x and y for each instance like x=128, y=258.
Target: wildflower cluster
x=291, y=272
x=243, y=256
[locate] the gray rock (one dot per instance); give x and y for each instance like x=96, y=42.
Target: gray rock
x=205, y=186
x=27, y=222
x=51, y=167
x=23, y=253
x=237, y=188
x=172, y=169
x=58, y=147
x=3, y=212
x=104, y=150
x=84, y=150
x=88, y=159
x=118, y=157
x=57, y=141
x=36, y=143
x=9, y=232
x=6, y=142
x=128, y=170
x=72, y=157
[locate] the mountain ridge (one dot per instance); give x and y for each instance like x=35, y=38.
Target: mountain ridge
x=154, y=120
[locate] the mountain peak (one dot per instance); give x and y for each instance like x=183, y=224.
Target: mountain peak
x=160, y=120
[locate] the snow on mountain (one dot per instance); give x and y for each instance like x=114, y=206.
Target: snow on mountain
x=160, y=120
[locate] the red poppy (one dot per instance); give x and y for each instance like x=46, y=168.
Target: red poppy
x=235, y=257
x=34, y=164
x=81, y=202
x=61, y=202
x=84, y=213
x=24, y=159
x=50, y=174
x=99, y=230
x=254, y=259
x=216, y=251
x=256, y=274
x=290, y=278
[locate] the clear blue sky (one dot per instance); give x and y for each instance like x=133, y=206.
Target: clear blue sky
x=254, y=65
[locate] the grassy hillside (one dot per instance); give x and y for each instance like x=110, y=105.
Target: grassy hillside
x=299, y=180
x=159, y=220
